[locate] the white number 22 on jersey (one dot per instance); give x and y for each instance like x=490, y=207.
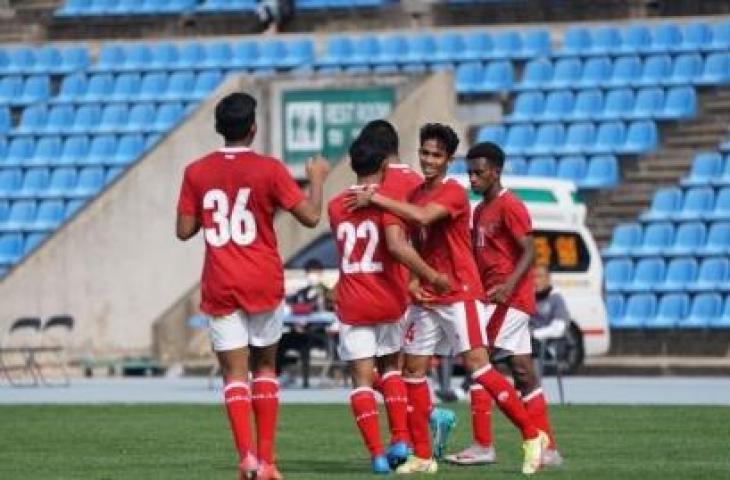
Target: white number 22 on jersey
x=348, y=233
x=239, y=227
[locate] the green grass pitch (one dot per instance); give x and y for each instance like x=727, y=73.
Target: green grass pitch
x=320, y=441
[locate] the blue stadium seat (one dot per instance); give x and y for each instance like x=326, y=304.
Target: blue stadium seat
x=625, y=238
x=168, y=115
x=619, y=104
x=527, y=106
x=640, y=308
x=87, y=118
x=515, y=166
x=618, y=274
x=112, y=174
x=492, y=133
x=63, y=181
x=450, y=48
x=614, y=307
x=152, y=87
x=648, y=272
x=573, y=168
x=141, y=118
x=191, y=55
x=549, y=138
x=588, y=105
x=680, y=104
x=128, y=149
x=60, y=118
x=576, y=42
x=205, y=83
x=469, y=78
x=421, y=48
x=73, y=59
x=111, y=57
x=477, y=46
x=706, y=308
x=680, y=273
x=48, y=216
x=221, y=6
x=180, y=85
x=558, y=104
x=657, y=238
x=32, y=120
x=686, y=69
x=721, y=210
x=73, y=8
x=47, y=60
x=690, y=237
x=298, y=52
x=519, y=139
x=610, y=137
x=705, y=167
x=695, y=37
x=716, y=70
x=635, y=39
x=73, y=87
x=101, y=151
x=537, y=74
x=11, y=87
x=392, y=49
x=10, y=181
x=11, y=248
x=498, y=77
x=698, y=201
x=35, y=89
x=579, y=138
x=595, y=71
x=35, y=180
x=19, y=151
x=152, y=140
x=127, y=87
x=566, y=75
x=20, y=61
x=6, y=121
x=720, y=35
x=718, y=240
x=536, y=43
x=641, y=137
x=672, y=309
x=722, y=321
x=626, y=72
x=113, y=118
x=3, y=151
x=604, y=40
x=47, y=151
x=542, y=167
x=339, y=49
x=507, y=44
x=272, y=54
x=90, y=182
x=32, y=241
x=136, y=57
x=656, y=68
x=665, y=38
x=713, y=275
x=666, y=202
x=74, y=148
x=602, y=172
x=245, y=54
x=21, y=215
x=649, y=103
x=73, y=206
x=99, y=88
x=163, y=56
x=723, y=179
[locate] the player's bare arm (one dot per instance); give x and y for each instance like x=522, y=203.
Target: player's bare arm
x=186, y=226
x=403, y=251
x=423, y=216
x=309, y=211
x=502, y=292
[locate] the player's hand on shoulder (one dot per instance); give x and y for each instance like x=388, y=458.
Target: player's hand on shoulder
x=441, y=284
x=359, y=198
x=317, y=168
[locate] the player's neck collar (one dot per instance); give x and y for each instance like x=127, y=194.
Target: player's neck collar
x=502, y=192
x=234, y=149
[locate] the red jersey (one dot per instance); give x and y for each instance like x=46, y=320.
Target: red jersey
x=371, y=287
x=234, y=193
x=400, y=181
x=446, y=244
x=498, y=226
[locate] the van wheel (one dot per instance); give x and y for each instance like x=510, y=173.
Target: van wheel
x=574, y=353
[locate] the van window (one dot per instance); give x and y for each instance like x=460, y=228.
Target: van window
x=322, y=249
x=561, y=251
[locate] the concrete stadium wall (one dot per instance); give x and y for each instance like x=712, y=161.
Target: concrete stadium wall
x=117, y=265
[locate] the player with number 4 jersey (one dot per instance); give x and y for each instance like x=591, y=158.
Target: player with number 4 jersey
x=232, y=195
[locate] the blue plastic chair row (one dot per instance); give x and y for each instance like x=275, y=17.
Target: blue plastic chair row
x=600, y=171
x=677, y=275
x=245, y=54
x=675, y=310
x=697, y=203
x=690, y=37
x=655, y=70
x=708, y=168
x=40, y=182
x=48, y=59
x=320, y=4
x=14, y=90
x=663, y=239
x=594, y=104
x=224, y=6
x=92, y=118
x=74, y=150
x=103, y=8
x=36, y=216
x=475, y=78
x=575, y=138
x=134, y=87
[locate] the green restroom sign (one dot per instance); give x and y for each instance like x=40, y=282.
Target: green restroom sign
x=326, y=121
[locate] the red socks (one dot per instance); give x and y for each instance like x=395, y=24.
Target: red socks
x=265, y=407
x=419, y=411
x=481, y=415
x=395, y=396
x=238, y=404
x=365, y=411
x=507, y=399
x=537, y=409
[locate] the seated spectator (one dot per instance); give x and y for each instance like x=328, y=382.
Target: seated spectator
x=551, y=318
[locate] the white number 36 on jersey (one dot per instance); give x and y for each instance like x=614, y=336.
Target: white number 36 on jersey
x=240, y=226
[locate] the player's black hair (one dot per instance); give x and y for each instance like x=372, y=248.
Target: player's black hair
x=489, y=151
x=383, y=133
x=366, y=158
x=443, y=134
x=235, y=114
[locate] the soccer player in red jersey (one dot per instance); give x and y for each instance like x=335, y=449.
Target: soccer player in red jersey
x=370, y=299
x=504, y=251
x=232, y=195
x=440, y=213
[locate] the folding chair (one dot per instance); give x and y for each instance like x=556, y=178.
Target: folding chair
x=53, y=351
x=17, y=352
x=551, y=354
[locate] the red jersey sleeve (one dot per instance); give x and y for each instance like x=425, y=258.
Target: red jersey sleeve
x=516, y=219
x=188, y=203
x=285, y=190
x=453, y=198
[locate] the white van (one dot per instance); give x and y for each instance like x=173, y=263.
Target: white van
x=562, y=242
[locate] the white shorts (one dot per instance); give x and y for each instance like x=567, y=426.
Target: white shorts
x=508, y=331
x=445, y=329
x=240, y=329
x=367, y=341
